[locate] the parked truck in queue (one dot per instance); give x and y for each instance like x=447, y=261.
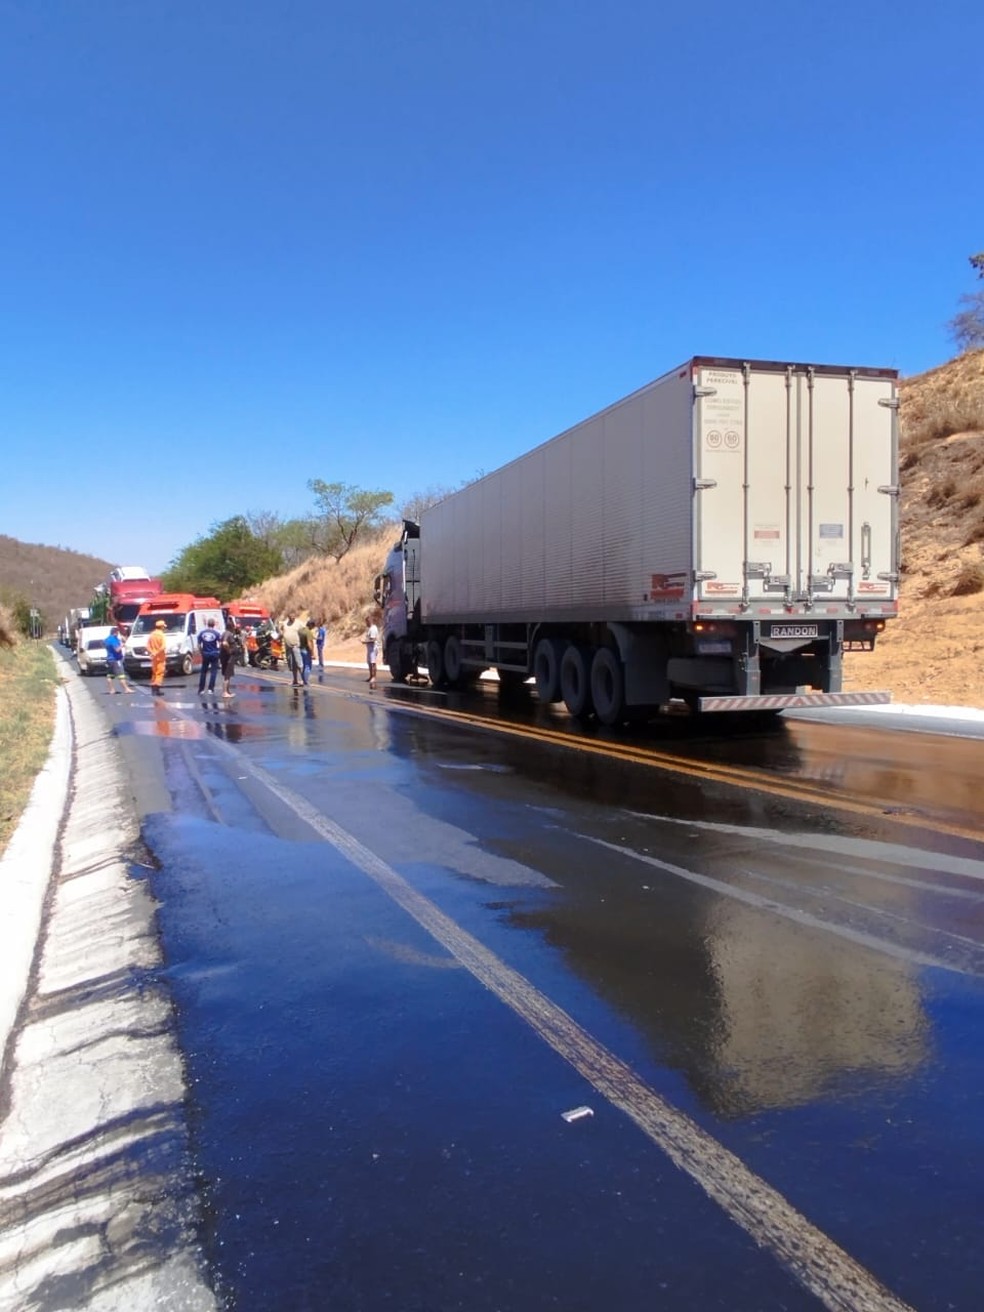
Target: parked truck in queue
x=129, y=586
x=717, y=539
x=184, y=616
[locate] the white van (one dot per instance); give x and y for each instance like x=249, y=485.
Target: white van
x=91, y=654
x=184, y=617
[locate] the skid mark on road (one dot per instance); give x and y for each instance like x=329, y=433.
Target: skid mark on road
x=812, y=1257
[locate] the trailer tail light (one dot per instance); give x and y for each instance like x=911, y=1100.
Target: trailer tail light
x=716, y=628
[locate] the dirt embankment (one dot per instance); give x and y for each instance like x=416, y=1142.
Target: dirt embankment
x=934, y=651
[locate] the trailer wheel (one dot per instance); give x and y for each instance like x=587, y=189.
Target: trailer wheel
x=435, y=663
x=453, y=668
x=575, y=680
x=546, y=669
x=187, y=664
x=608, y=686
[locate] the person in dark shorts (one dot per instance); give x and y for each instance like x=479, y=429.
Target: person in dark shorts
x=228, y=650
x=114, y=662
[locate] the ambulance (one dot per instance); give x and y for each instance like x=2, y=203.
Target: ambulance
x=184, y=616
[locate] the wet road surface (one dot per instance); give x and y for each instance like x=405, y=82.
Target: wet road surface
x=400, y=949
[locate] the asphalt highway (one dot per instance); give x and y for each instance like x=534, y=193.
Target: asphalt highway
x=467, y=1013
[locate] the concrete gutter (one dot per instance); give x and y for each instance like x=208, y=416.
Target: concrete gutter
x=97, y=1205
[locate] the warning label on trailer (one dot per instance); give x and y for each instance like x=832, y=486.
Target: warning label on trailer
x=722, y=414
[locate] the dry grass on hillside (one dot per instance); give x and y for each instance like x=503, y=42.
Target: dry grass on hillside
x=8, y=628
x=934, y=651
x=339, y=591
x=27, y=717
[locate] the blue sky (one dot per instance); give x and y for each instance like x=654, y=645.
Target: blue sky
x=397, y=242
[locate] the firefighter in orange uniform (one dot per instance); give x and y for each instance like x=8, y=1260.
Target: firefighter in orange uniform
x=158, y=656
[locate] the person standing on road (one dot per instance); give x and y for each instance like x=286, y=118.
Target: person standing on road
x=228, y=653
x=319, y=641
x=209, y=643
x=114, y=662
x=292, y=644
x=371, y=639
x=305, y=641
x=157, y=650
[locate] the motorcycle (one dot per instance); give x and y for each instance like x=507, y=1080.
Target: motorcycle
x=264, y=650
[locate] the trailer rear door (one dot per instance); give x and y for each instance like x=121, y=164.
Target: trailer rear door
x=796, y=485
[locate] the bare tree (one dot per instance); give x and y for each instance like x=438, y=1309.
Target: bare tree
x=967, y=326
x=415, y=505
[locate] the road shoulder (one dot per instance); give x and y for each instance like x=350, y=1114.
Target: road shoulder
x=97, y=1207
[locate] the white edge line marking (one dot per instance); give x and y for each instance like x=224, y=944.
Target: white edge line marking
x=867, y=849
x=812, y=1257
x=794, y=914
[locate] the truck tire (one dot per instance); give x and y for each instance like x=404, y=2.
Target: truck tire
x=608, y=686
x=453, y=668
x=396, y=661
x=435, y=663
x=546, y=669
x=575, y=680
x=187, y=664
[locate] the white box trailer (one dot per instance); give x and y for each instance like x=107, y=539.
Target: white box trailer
x=719, y=536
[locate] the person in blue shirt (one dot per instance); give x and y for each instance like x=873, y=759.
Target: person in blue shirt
x=210, y=646
x=114, y=662
x=319, y=641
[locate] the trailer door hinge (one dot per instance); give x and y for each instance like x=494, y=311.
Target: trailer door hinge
x=702, y=575
x=888, y=576
x=890, y=489
x=889, y=402
x=705, y=391
x=702, y=484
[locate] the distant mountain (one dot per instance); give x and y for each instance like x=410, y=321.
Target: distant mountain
x=50, y=578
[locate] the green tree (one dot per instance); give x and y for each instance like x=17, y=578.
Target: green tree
x=293, y=538
x=295, y=541
x=99, y=605
x=967, y=326
x=343, y=513
x=224, y=563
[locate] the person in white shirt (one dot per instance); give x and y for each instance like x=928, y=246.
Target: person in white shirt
x=371, y=639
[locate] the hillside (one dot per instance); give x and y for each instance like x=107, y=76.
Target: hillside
x=340, y=592
x=934, y=651
x=51, y=578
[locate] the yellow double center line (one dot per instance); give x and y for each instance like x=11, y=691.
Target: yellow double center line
x=732, y=776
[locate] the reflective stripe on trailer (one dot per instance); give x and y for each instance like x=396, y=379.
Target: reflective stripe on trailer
x=783, y=700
